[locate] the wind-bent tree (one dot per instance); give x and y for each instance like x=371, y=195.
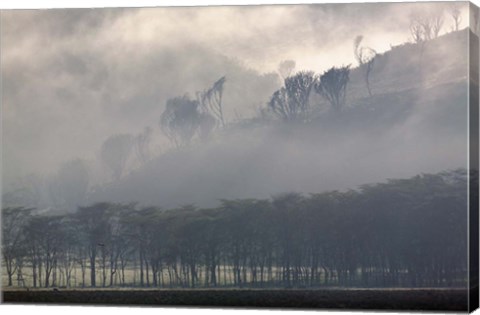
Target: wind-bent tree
x=115, y=152
x=285, y=68
x=332, y=85
x=291, y=102
x=180, y=120
x=365, y=57
x=211, y=100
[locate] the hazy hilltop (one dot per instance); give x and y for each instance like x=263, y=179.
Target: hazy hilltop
x=414, y=122
x=438, y=61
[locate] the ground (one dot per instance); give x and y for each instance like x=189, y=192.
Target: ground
x=371, y=299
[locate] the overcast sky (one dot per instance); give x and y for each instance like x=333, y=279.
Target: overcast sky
x=73, y=77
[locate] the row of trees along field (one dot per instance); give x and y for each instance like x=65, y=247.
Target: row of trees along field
x=401, y=233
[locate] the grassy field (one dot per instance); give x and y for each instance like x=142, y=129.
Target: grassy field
x=371, y=299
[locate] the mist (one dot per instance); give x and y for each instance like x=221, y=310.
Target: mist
x=73, y=78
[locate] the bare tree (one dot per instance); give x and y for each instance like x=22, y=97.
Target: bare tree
x=437, y=24
x=426, y=27
x=417, y=32
x=456, y=17
x=332, y=85
x=365, y=57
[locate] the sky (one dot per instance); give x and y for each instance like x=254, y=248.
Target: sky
x=72, y=77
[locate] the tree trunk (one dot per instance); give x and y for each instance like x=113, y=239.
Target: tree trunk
x=92, y=270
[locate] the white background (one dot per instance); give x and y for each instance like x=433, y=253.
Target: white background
x=80, y=310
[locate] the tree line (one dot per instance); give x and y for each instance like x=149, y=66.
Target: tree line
x=401, y=233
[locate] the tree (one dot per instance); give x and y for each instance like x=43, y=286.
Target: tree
x=180, y=120
x=332, y=85
x=211, y=100
x=417, y=31
x=285, y=209
x=426, y=27
x=47, y=233
x=365, y=57
x=456, y=17
x=14, y=221
x=437, y=24
x=95, y=229
x=115, y=152
x=291, y=102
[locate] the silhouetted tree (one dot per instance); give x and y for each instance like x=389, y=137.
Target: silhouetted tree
x=456, y=17
x=180, y=120
x=365, y=57
x=211, y=100
x=48, y=234
x=14, y=221
x=95, y=230
x=417, y=31
x=437, y=24
x=332, y=85
x=291, y=102
x=426, y=27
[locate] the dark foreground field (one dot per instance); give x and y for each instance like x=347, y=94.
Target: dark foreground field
x=373, y=299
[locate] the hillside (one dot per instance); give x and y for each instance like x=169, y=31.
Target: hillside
x=415, y=122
